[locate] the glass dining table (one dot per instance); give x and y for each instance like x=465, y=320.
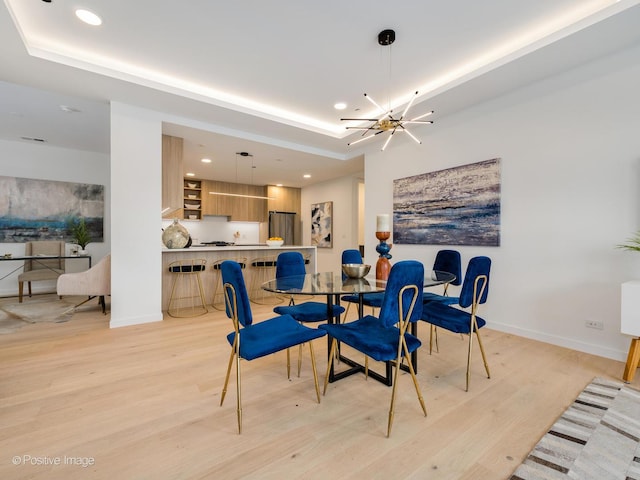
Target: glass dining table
x=333, y=285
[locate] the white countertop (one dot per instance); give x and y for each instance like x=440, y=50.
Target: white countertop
x=254, y=247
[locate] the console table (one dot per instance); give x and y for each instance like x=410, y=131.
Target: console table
x=630, y=325
x=38, y=259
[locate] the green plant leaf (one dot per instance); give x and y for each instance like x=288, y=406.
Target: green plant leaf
x=77, y=228
x=632, y=244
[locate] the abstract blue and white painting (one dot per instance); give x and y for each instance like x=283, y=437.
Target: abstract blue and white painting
x=455, y=206
x=32, y=209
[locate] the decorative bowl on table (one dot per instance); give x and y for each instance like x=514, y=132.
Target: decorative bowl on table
x=275, y=242
x=355, y=270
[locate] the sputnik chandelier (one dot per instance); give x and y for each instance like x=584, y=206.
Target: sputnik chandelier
x=387, y=121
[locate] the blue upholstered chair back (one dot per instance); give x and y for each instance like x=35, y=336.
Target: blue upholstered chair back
x=232, y=274
x=290, y=263
x=477, y=266
x=449, y=261
x=406, y=272
x=351, y=256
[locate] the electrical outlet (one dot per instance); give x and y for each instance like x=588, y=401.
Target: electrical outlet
x=594, y=324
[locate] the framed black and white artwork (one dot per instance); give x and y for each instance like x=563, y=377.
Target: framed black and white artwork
x=322, y=224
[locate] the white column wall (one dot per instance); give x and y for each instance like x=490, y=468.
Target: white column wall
x=136, y=245
x=570, y=153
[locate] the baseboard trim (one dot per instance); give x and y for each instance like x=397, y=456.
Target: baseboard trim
x=592, y=349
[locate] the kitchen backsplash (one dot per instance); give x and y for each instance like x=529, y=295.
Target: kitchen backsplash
x=211, y=229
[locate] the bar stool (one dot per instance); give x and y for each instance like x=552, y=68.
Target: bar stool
x=217, y=301
x=186, y=291
x=263, y=269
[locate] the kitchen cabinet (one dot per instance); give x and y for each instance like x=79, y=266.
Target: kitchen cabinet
x=172, y=165
x=284, y=199
x=209, y=202
x=227, y=203
x=192, y=199
x=257, y=207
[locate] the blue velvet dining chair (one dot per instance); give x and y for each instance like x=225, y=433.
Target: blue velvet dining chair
x=289, y=264
x=465, y=320
x=373, y=300
x=251, y=340
x=385, y=338
x=446, y=261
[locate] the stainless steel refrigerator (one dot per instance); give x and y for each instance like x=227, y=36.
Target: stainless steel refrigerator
x=281, y=224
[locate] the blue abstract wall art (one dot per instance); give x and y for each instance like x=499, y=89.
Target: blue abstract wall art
x=32, y=210
x=455, y=206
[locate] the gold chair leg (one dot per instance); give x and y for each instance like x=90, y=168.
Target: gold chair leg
x=329, y=365
x=469, y=361
x=173, y=291
x=288, y=365
x=239, y=394
x=484, y=357
x=238, y=383
x=366, y=367
x=315, y=372
x=299, y=359
x=431, y=338
x=414, y=378
x=216, y=287
x=393, y=397
x=346, y=312
x=395, y=383
x=226, y=379
x=202, y=296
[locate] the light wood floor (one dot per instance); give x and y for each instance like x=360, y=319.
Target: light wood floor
x=142, y=402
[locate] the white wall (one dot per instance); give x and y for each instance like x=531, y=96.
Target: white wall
x=570, y=152
x=343, y=192
x=26, y=160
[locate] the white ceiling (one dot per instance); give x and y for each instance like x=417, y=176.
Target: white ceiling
x=263, y=77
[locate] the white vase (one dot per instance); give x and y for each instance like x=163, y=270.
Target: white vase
x=175, y=235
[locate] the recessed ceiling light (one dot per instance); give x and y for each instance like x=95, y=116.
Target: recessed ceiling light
x=278, y=184
x=206, y=160
x=340, y=106
x=68, y=109
x=88, y=17
x=190, y=174
x=306, y=175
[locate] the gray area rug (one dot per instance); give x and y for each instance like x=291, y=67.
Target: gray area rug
x=47, y=308
x=597, y=438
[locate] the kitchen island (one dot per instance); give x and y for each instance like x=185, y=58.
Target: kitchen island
x=212, y=254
